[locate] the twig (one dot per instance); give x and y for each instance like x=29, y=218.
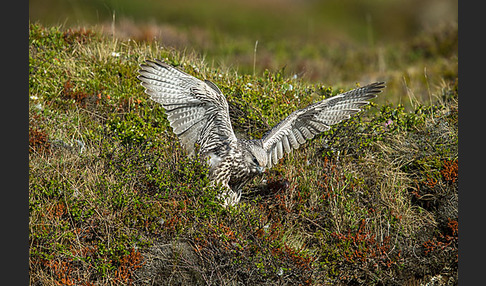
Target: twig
x=254, y=57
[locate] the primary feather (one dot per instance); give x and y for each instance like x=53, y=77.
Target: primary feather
x=198, y=113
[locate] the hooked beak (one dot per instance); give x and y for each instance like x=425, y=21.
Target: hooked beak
x=260, y=169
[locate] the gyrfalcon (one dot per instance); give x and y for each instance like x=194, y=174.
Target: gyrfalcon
x=198, y=113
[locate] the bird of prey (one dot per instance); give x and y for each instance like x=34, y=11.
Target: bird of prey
x=198, y=114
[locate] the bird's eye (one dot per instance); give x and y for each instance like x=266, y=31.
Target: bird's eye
x=255, y=161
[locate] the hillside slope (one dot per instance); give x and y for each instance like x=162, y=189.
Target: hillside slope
x=114, y=200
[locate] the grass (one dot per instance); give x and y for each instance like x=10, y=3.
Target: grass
x=410, y=44
x=113, y=198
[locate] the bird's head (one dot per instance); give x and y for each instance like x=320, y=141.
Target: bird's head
x=256, y=159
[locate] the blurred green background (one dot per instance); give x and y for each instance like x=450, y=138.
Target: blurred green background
x=266, y=20
x=412, y=44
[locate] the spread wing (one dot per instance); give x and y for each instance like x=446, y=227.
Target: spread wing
x=197, y=110
x=306, y=123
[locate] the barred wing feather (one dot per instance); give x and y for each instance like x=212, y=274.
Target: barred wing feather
x=197, y=110
x=305, y=124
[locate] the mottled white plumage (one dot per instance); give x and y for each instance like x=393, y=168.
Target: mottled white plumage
x=198, y=113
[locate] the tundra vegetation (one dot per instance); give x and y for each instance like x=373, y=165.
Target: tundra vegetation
x=114, y=200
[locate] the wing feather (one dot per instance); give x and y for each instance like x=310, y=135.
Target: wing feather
x=196, y=110
x=293, y=140
x=298, y=136
x=274, y=155
x=286, y=144
x=305, y=124
x=279, y=149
